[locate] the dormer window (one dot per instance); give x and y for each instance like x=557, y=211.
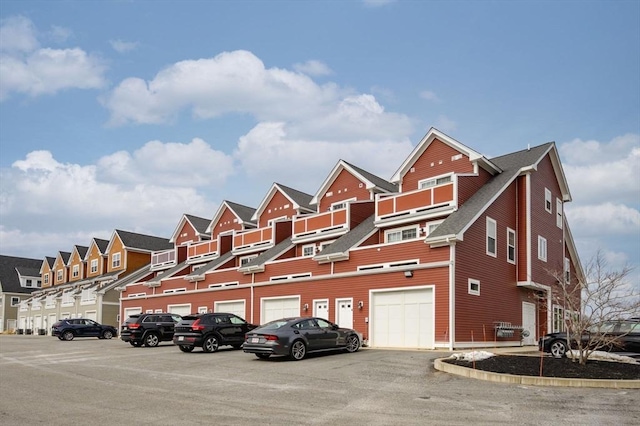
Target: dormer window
x=115, y=260
x=428, y=183
x=59, y=275
x=76, y=271
x=94, y=266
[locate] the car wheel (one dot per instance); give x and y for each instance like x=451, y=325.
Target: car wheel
x=107, y=334
x=558, y=348
x=151, y=340
x=298, y=350
x=184, y=348
x=68, y=335
x=135, y=344
x=263, y=356
x=353, y=343
x=210, y=344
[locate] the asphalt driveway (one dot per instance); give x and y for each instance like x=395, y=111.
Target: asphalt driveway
x=105, y=382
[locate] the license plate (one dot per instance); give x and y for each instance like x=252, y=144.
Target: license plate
x=255, y=339
x=180, y=338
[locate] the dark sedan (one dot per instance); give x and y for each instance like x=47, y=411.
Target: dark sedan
x=616, y=336
x=296, y=337
x=68, y=329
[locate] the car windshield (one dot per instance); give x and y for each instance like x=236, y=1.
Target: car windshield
x=605, y=327
x=274, y=325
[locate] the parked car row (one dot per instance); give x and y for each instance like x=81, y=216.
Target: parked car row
x=293, y=337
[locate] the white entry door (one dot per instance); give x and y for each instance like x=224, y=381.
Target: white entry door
x=529, y=323
x=321, y=309
x=344, y=313
x=52, y=320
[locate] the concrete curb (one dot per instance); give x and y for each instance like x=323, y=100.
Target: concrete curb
x=440, y=365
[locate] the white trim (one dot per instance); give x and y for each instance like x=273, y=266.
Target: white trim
x=435, y=179
x=559, y=214
x=312, y=247
x=548, y=206
x=395, y=264
x=542, y=248
x=291, y=276
x=509, y=246
x=401, y=230
x=226, y=284
x=471, y=282
x=493, y=235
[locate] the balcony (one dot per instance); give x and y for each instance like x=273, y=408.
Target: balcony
x=255, y=239
x=415, y=205
x=202, y=251
x=163, y=259
x=321, y=225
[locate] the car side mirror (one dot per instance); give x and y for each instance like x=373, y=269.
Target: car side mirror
x=335, y=327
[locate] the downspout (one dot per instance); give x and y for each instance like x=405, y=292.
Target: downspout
x=253, y=278
x=452, y=293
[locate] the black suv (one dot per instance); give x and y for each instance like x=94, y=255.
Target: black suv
x=68, y=329
x=210, y=331
x=149, y=329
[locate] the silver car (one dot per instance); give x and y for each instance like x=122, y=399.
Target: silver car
x=298, y=336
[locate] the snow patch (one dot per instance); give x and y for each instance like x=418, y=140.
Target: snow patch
x=472, y=356
x=603, y=356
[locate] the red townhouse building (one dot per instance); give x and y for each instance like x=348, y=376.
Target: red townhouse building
x=454, y=251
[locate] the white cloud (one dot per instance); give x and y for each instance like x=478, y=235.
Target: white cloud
x=268, y=146
x=60, y=34
x=27, y=68
x=17, y=34
x=429, y=95
x=146, y=191
x=602, y=172
x=231, y=82
x=121, y=46
x=313, y=68
x=607, y=218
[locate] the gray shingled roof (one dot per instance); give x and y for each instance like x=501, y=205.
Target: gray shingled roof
x=511, y=164
x=50, y=261
x=351, y=238
x=82, y=251
x=65, y=255
x=199, y=223
x=136, y=275
x=102, y=244
x=301, y=198
x=211, y=265
x=377, y=181
x=9, y=266
x=132, y=240
x=169, y=272
x=243, y=212
x=270, y=254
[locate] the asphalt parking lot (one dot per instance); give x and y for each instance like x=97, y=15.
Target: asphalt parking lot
x=45, y=381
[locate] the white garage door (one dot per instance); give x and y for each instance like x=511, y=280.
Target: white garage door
x=181, y=310
x=232, y=307
x=280, y=307
x=91, y=315
x=403, y=319
x=131, y=311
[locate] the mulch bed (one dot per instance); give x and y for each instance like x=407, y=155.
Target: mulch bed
x=554, y=367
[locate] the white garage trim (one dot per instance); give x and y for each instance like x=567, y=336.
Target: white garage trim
x=237, y=307
x=402, y=317
x=273, y=308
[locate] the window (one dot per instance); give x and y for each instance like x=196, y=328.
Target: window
x=511, y=245
x=559, y=213
x=94, y=265
x=115, y=260
x=202, y=309
x=547, y=200
x=246, y=259
x=542, y=248
x=341, y=204
x=67, y=298
x=491, y=237
x=88, y=295
x=46, y=278
x=15, y=301
x=431, y=226
x=59, y=275
x=308, y=250
x=76, y=271
x=428, y=183
x=401, y=234
x=558, y=319
x=567, y=270
x=28, y=283
x=474, y=287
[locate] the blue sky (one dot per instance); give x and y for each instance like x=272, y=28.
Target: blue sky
x=127, y=114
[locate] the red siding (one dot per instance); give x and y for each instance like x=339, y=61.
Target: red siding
x=344, y=187
x=435, y=161
x=187, y=234
x=228, y=221
x=278, y=206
